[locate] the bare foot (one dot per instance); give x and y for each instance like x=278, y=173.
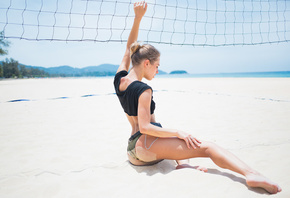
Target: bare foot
x=257, y=180
x=200, y=168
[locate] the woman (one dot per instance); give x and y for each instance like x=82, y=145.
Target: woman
x=149, y=142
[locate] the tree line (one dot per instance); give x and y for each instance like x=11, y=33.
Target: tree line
x=10, y=68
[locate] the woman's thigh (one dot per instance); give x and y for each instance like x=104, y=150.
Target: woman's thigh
x=167, y=148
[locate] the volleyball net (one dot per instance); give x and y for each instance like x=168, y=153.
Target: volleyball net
x=174, y=22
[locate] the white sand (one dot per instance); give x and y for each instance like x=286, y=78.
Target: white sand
x=76, y=147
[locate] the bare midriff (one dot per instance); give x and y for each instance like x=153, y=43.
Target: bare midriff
x=134, y=122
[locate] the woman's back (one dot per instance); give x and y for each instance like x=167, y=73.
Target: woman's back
x=128, y=91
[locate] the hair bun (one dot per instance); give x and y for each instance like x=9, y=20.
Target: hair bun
x=134, y=48
x=140, y=52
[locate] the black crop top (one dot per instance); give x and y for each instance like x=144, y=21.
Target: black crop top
x=129, y=97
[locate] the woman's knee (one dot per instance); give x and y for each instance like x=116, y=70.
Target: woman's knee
x=208, y=144
x=208, y=147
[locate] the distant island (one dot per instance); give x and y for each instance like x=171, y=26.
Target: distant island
x=178, y=72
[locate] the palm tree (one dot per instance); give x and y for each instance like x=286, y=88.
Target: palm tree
x=3, y=44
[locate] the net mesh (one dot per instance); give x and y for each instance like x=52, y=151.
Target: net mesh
x=174, y=22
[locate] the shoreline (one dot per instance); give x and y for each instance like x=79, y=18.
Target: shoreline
x=274, y=74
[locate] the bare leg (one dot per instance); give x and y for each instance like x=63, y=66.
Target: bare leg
x=176, y=149
x=226, y=159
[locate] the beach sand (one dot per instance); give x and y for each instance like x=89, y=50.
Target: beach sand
x=70, y=138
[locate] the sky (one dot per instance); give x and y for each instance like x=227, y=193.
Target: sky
x=21, y=21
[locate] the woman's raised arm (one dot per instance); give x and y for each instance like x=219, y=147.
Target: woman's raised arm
x=139, y=9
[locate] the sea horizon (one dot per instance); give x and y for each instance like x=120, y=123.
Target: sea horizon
x=272, y=74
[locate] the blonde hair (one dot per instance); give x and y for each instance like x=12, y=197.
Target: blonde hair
x=140, y=52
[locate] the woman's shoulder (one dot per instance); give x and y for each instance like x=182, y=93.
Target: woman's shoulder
x=118, y=76
x=121, y=74
x=139, y=87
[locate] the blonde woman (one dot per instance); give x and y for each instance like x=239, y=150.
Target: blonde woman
x=149, y=142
